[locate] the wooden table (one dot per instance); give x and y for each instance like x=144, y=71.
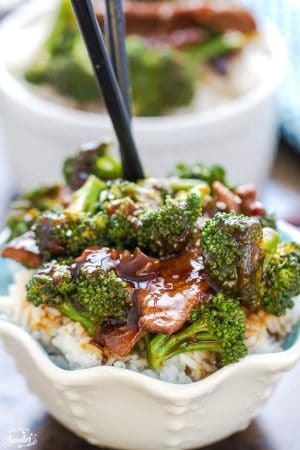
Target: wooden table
x=276, y=428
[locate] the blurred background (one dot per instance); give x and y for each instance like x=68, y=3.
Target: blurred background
x=244, y=113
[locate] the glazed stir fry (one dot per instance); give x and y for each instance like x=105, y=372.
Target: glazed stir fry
x=167, y=44
x=178, y=262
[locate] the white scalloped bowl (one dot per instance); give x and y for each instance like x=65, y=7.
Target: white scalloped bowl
x=115, y=407
x=240, y=134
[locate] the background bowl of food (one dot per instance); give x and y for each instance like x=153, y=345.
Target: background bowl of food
x=125, y=308
x=207, y=95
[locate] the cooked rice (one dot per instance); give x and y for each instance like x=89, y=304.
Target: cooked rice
x=69, y=345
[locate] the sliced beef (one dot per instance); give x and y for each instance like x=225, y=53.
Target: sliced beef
x=167, y=300
x=153, y=18
x=24, y=250
x=121, y=340
x=164, y=291
x=226, y=199
x=249, y=203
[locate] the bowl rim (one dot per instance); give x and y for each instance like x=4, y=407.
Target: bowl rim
x=270, y=362
x=14, y=89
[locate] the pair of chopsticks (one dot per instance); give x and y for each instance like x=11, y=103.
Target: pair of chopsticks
x=112, y=77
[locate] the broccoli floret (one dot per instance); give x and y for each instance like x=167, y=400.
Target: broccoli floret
x=200, y=171
x=218, y=326
x=92, y=298
x=92, y=159
x=233, y=258
x=281, y=279
x=69, y=233
x=169, y=228
x=60, y=41
x=102, y=294
x=161, y=78
x=27, y=208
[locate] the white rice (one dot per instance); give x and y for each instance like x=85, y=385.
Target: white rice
x=68, y=344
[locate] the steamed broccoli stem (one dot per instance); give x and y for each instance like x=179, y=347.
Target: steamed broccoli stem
x=269, y=244
x=169, y=228
x=68, y=310
x=86, y=198
x=217, y=45
x=281, y=279
x=164, y=347
x=217, y=326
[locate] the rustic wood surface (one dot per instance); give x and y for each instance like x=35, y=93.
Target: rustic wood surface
x=276, y=428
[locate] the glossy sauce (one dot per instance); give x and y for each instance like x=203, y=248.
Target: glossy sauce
x=163, y=295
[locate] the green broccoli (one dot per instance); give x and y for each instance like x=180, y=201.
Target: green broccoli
x=200, y=171
x=169, y=228
x=218, y=325
x=217, y=45
x=233, y=257
x=161, y=79
x=281, y=279
x=87, y=197
x=92, y=159
x=92, y=298
x=60, y=42
x=27, y=208
x=69, y=232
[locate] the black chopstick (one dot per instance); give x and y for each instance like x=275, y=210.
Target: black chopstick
x=108, y=84
x=116, y=31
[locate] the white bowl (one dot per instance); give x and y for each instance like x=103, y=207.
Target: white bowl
x=240, y=135
x=115, y=407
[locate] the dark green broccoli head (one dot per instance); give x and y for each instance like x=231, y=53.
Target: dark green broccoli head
x=103, y=296
x=169, y=228
x=69, y=233
x=92, y=159
x=226, y=323
x=218, y=325
x=281, y=279
x=91, y=296
x=50, y=285
x=233, y=257
x=124, y=202
x=161, y=78
x=122, y=225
